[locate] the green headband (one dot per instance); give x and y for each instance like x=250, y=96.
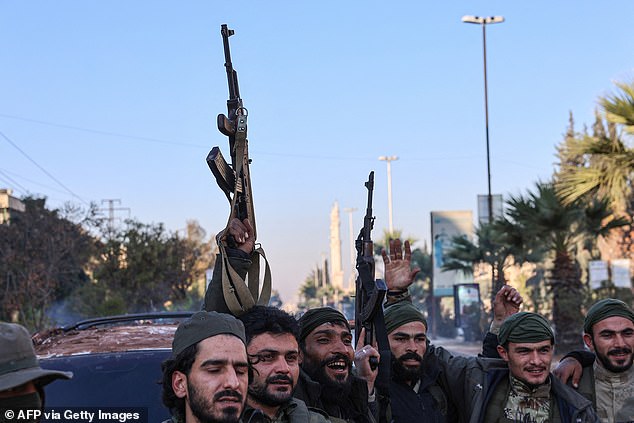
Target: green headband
x=603, y=309
x=525, y=327
x=318, y=316
x=401, y=313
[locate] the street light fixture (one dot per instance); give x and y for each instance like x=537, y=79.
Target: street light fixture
x=484, y=21
x=389, y=159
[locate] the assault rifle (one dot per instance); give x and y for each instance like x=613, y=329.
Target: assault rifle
x=235, y=182
x=370, y=293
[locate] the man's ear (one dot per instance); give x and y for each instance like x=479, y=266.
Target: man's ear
x=179, y=384
x=587, y=338
x=503, y=353
x=301, y=356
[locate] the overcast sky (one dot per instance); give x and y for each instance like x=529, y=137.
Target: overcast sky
x=118, y=100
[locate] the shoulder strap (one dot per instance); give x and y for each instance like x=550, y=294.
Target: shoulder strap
x=238, y=297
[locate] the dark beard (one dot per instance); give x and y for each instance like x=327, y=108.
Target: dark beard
x=201, y=407
x=261, y=394
x=401, y=373
x=609, y=366
x=332, y=391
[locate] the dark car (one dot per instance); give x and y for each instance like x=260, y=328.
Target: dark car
x=116, y=362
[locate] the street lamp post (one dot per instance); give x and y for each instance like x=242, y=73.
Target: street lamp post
x=484, y=21
x=389, y=160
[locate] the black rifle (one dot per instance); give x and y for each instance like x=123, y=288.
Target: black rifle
x=235, y=182
x=370, y=293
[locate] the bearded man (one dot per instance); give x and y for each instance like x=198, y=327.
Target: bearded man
x=609, y=382
x=326, y=380
x=205, y=379
x=273, y=353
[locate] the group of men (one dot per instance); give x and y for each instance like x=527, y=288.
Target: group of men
x=313, y=371
x=266, y=366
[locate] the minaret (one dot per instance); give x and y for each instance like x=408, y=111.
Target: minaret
x=335, y=248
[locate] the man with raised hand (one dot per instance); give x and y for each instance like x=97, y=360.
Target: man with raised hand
x=205, y=379
x=609, y=382
x=273, y=353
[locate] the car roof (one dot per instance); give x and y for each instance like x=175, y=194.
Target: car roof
x=131, y=332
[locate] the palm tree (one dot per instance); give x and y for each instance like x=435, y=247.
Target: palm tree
x=499, y=244
x=560, y=230
x=604, y=162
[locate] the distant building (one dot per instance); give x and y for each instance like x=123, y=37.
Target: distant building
x=335, y=248
x=9, y=206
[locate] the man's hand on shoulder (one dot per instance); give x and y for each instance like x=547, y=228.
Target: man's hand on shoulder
x=569, y=368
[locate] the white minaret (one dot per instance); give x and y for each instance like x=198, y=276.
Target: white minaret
x=335, y=248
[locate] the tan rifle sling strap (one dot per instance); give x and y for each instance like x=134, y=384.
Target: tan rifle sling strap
x=238, y=297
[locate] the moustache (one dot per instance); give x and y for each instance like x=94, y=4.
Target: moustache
x=228, y=393
x=410, y=356
x=280, y=378
x=624, y=350
x=336, y=357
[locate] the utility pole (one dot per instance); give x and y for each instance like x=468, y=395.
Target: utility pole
x=111, y=209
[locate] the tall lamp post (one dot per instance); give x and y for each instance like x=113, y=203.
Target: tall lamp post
x=484, y=21
x=389, y=160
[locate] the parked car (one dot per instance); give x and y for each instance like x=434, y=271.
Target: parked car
x=116, y=361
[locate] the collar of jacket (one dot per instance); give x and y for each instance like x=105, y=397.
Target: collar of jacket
x=255, y=415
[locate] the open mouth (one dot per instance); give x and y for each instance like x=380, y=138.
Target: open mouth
x=338, y=366
x=535, y=372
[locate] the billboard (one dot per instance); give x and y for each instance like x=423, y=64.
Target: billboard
x=497, y=205
x=444, y=226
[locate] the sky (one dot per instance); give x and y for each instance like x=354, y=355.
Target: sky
x=118, y=100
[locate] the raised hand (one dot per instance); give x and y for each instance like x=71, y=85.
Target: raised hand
x=242, y=233
x=507, y=302
x=398, y=275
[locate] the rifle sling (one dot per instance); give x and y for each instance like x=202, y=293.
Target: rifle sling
x=238, y=297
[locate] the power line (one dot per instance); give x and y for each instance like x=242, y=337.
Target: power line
x=43, y=170
x=100, y=132
x=14, y=182
x=5, y=171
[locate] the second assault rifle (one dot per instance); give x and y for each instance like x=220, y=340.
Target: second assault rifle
x=235, y=182
x=369, y=296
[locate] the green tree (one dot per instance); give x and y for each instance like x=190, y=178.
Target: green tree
x=604, y=164
x=148, y=266
x=561, y=229
x=44, y=255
